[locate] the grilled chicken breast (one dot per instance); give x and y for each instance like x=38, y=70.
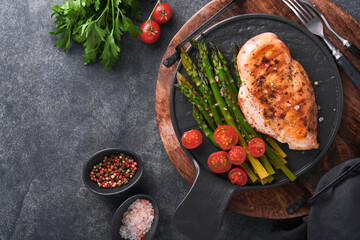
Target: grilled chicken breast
x=276, y=95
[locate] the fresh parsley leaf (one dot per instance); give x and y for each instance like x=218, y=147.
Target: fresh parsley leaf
x=110, y=53
x=97, y=5
x=97, y=25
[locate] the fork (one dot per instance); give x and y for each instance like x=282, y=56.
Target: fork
x=344, y=41
x=313, y=23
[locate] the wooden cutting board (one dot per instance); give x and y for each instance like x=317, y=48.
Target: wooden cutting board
x=271, y=202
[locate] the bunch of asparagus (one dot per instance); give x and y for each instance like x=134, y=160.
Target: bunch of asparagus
x=215, y=103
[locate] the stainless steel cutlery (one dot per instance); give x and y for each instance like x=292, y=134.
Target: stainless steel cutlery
x=344, y=41
x=314, y=24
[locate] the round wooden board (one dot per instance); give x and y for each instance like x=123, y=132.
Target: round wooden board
x=271, y=202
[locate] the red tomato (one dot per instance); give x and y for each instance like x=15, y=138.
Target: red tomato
x=218, y=162
x=256, y=147
x=226, y=136
x=162, y=13
x=151, y=31
x=238, y=176
x=191, y=139
x=237, y=155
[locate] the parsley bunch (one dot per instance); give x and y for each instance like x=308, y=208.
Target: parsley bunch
x=96, y=24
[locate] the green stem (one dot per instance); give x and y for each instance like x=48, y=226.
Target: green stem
x=249, y=171
x=219, y=69
x=288, y=173
x=266, y=180
x=203, y=126
x=275, y=146
x=232, y=85
x=113, y=14
x=149, y=18
x=236, y=52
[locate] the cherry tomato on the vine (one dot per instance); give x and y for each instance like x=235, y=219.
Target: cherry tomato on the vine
x=162, y=13
x=151, y=32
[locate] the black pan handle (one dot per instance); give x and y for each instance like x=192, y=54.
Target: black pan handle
x=350, y=70
x=199, y=215
x=172, y=59
x=354, y=50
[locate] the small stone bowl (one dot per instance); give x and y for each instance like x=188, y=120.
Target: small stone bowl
x=97, y=158
x=118, y=216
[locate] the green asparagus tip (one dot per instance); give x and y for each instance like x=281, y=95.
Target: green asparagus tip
x=195, y=44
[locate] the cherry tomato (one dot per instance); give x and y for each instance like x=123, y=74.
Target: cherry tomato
x=237, y=155
x=151, y=32
x=256, y=147
x=226, y=136
x=218, y=162
x=238, y=176
x=191, y=139
x=162, y=13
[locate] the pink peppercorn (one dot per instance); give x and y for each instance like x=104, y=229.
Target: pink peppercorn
x=113, y=171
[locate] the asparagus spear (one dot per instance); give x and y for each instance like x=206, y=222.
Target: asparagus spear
x=266, y=180
x=259, y=169
x=201, y=84
x=219, y=68
x=249, y=171
x=202, y=72
x=203, y=126
x=194, y=98
x=288, y=173
x=183, y=81
x=203, y=76
x=191, y=70
x=236, y=52
x=233, y=87
x=275, y=146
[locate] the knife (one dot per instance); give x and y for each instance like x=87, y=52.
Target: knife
x=172, y=59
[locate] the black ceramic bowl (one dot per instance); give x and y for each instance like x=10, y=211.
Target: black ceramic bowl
x=118, y=216
x=97, y=158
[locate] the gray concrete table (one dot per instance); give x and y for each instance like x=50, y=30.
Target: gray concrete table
x=55, y=113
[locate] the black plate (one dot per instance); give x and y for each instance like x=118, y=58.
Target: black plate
x=304, y=47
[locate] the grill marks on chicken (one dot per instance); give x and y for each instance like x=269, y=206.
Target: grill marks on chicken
x=276, y=95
